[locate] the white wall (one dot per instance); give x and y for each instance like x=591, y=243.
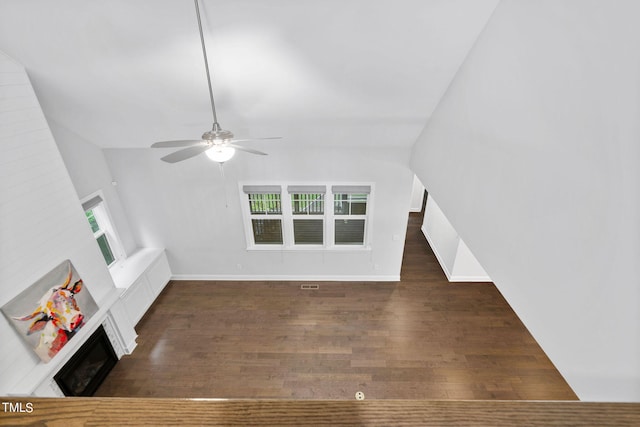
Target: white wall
x=181, y=207
x=41, y=220
x=533, y=154
x=89, y=173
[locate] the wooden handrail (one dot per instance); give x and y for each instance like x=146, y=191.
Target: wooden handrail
x=187, y=412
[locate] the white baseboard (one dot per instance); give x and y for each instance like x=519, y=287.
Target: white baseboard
x=263, y=278
x=477, y=279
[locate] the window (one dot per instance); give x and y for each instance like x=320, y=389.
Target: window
x=265, y=208
x=100, y=224
x=307, y=209
x=299, y=217
x=350, y=214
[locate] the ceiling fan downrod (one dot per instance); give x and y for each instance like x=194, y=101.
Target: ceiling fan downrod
x=206, y=66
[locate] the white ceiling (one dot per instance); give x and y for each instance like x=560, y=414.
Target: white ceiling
x=127, y=73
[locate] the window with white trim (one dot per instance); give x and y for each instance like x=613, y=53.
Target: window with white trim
x=265, y=209
x=299, y=218
x=307, y=211
x=350, y=214
x=100, y=223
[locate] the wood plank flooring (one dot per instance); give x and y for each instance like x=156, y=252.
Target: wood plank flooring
x=420, y=338
x=202, y=412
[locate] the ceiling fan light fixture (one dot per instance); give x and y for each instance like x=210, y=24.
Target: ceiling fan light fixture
x=220, y=153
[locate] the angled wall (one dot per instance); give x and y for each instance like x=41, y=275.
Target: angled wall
x=533, y=156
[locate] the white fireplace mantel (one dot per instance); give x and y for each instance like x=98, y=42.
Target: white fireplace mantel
x=38, y=382
x=145, y=274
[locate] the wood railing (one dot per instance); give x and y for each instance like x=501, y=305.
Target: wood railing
x=188, y=412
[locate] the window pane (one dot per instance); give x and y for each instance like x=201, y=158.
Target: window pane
x=105, y=249
x=350, y=204
x=349, y=231
x=358, y=208
x=265, y=204
x=267, y=231
x=92, y=221
x=308, y=231
x=307, y=204
x=340, y=204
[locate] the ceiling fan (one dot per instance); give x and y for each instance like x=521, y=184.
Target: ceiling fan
x=217, y=143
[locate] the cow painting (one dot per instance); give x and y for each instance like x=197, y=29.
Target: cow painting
x=56, y=318
x=57, y=315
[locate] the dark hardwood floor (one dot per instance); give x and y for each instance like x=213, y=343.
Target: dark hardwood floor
x=420, y=338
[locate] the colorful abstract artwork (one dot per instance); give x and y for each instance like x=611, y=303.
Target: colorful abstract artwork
x=49, y=313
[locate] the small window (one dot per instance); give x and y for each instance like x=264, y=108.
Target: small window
x=265, y=209
x=307, y=208
x=350, y=214
x=101, y=227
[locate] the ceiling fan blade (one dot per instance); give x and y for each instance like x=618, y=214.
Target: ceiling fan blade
x=177, y=143
x=256, y=139
x=248, y=150
x=185, y=154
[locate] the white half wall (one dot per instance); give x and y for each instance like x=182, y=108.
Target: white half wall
x=455, y=258
x=533, y=154
x=189, y=209
x=467, y=268
x=42, y=222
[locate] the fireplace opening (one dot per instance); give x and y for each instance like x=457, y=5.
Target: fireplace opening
x=87, y=369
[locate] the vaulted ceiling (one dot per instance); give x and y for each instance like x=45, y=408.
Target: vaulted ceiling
x=127, y=73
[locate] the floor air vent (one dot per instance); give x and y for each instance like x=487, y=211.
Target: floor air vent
x=309, y=287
